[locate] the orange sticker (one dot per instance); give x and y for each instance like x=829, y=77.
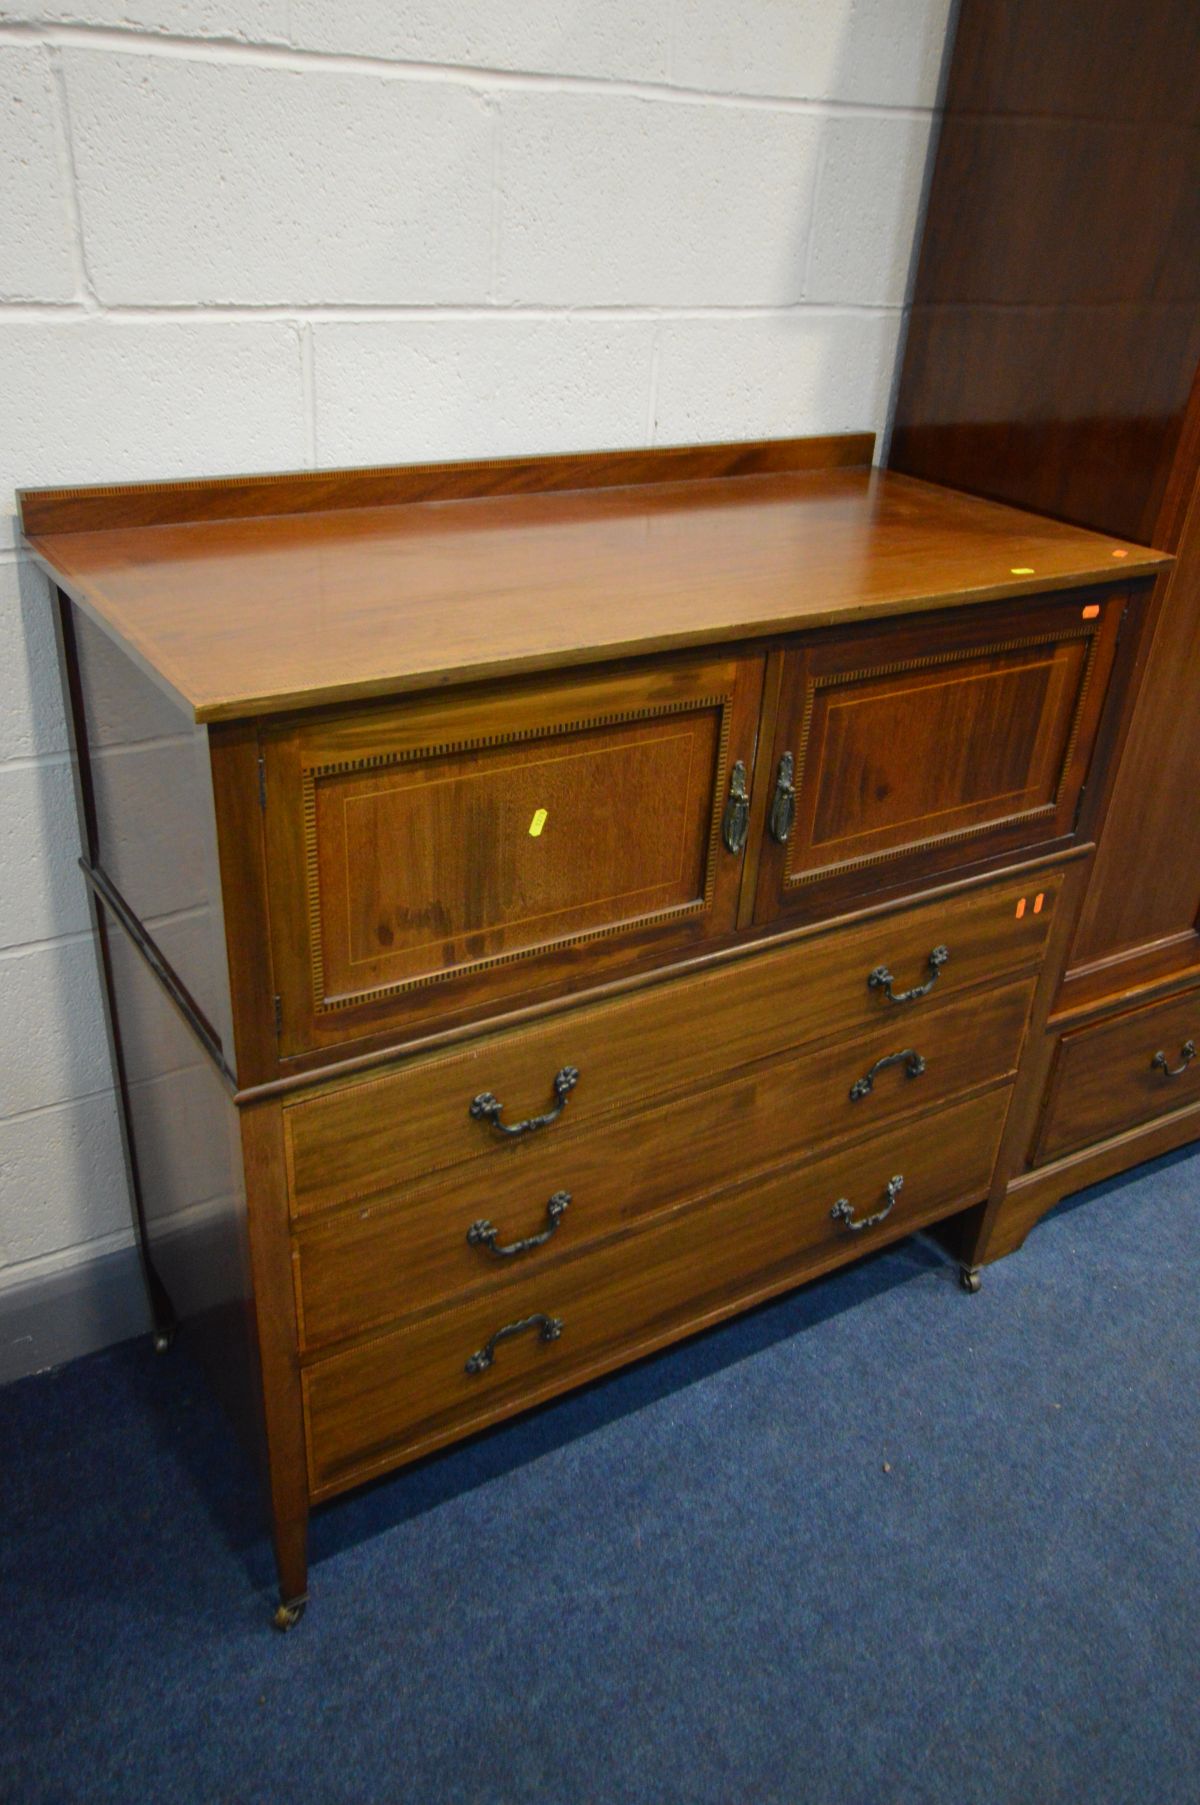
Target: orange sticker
x=1038, y=900
x=1091, y=611
x=1120, y=554
x=1020, y=908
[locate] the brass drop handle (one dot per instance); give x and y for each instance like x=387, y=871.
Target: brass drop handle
x=549, y=1328
x=843, y=1211
x=487, y=1108
x=783, y=806
x=736, y=822
x=1187, y=1053
x=482, y=1233
x=882, y=979
x=913, y=1064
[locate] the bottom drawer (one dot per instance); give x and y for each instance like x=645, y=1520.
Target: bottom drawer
x=1122, y=1071
x=391, y=1399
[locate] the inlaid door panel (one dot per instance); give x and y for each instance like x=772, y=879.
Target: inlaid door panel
x=911, y=753
x=443, y=849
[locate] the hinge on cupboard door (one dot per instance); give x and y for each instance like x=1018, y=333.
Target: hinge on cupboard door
x=278, y=1017
x=262, y=782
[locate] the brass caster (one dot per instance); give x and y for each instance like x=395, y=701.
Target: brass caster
x=970, y=1278
x=163, y=1339
x=287, y=1616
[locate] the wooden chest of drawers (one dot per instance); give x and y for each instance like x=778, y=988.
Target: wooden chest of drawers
x=539, y=924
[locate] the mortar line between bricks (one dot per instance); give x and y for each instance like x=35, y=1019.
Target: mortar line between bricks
x=63, y=1259
x=308, y=390
x=22, y=949
x=299, y=58
x=66, y=158
x=86, y=1096
x=60, y=1259
x=104, y=1090
x=34, y=761
x=27, y=949
x=652, y=385
x=330, y=312
x=496, y=210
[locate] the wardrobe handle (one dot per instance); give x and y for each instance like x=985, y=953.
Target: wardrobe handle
x=549, y=1328
x=486, y=1108
x=783, y=808
x=882, y=979
x=482, y=1234
x=1187, y=1053
x=737, y=810
x=914, y=1065
x=843, y=1211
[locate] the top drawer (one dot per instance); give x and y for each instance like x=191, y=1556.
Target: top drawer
x=425, y=857
x=357, y=1139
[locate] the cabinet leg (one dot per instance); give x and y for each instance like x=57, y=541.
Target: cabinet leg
x=970, y=1278
x=291, y=1561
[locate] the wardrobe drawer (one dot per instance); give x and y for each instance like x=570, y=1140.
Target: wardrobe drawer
x=1122, y=1071
x=355, y=1140
x=434, y=855
x=396, y=1397
x=359, y=1268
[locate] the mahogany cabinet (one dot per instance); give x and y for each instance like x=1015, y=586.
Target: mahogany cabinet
x=547, y=906
x=1053, y=361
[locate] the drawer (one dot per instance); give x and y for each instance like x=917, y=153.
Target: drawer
x=391, y=1399
x=1118, y=1072
x=359, y=1268
x=429, y=857
x=356, y=1140
x=914, y=749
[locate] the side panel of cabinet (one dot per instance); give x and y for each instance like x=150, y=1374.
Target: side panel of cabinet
x=426, y=856
x=932, y=746
x=1141, y=914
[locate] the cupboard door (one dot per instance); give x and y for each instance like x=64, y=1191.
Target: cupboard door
x=432, y=855
x=910, y=752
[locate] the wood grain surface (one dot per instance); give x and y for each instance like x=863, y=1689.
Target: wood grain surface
x=351, y=1141
x=362, y=1267
x=253, y=616
x=399, y=1395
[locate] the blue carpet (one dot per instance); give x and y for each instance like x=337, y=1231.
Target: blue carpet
x=880, y=1541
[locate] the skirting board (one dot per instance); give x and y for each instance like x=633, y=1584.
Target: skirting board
x=60, y=1315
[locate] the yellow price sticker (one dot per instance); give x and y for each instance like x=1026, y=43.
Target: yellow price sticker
x=538, y=822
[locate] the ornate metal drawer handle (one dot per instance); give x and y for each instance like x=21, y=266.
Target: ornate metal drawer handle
x=1187, y=1053
x=783, y=808
x=737, y=810
x=482, y=1234
x=843, y=1211
x=913, y=1064
x=549, y=1328
x=486, y=1108
x=882, y=979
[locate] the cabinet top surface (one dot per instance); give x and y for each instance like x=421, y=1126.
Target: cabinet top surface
x=260, y=614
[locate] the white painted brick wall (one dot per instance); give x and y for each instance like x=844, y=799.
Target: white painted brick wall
x=616, y=201
x=263, y=234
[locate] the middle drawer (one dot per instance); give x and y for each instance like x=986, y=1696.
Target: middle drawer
x=561, y=1189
